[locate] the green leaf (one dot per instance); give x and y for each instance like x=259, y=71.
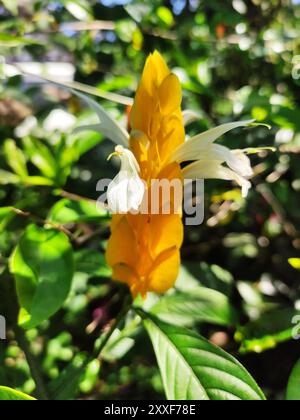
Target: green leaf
x=9, y=394
x=15, y=158
x=80, y=9
x=86, y=141
x=6, y=215
x=8, y=178
x=166, y=16
x=38, y=180
x=42, y=264
x=122, y=340
x=194, y=369
x=211, y=276
x=295, y=263
x=40, y=156
x=65, y=386
x=125, y=29
x=272, y=328
x=11, y=6
x=4, y=212
x=293, y=389
x=8, y=40
x=199, y=305
x=92, y=263
x=68, y=211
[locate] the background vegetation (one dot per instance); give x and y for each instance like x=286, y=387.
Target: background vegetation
x=238, y=287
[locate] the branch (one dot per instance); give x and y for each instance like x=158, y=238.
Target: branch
x=41, y=221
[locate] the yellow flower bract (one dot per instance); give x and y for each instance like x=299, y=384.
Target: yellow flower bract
x=144, y=249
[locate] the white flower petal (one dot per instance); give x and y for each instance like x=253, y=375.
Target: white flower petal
x=189, y=116
x=191, y=149
x=126, y=192
x=110, y=128
x=215, y=170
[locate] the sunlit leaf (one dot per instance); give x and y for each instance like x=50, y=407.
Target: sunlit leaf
x=270, y=329
x=15, y=158
x=68, y=211
x=40, y=156
x=8, y=178
x=80, y=9
x=199, y=305
x=11, y=6
x=9, y=394
x=293, y=389
x=7, y=40
x=42, y=265
x=295, y=263
x=194, y=369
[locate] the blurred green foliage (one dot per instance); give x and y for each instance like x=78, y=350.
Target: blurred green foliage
x=236, y=60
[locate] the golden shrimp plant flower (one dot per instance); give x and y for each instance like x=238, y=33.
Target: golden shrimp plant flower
x=144, y=249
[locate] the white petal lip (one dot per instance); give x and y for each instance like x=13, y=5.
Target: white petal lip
x=126, y=192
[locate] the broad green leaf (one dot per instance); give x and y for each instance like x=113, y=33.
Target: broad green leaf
x=42, y=264
x=295, y=263
x=293, y=389
x=68, y=211
x=194, y=369
x=199, y=305
x=9, y=394
x=15, y=158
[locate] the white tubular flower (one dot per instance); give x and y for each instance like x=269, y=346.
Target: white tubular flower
x=208, y=158
x=126, y=192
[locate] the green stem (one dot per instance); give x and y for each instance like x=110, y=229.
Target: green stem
x=125, y=309
x=12, y=314
x=105, y=338
x=41, y=391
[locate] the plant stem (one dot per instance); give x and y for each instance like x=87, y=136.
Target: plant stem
x=125, y=309
x=97, y=352
x=41, y=391
x=40, y=221
x=12, y=314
